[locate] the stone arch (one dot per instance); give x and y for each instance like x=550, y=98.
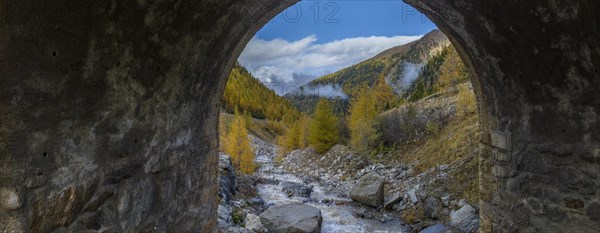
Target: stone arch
x=108, y=110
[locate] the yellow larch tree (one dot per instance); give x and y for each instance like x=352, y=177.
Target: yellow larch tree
x=384, y=95
x=238, y=145
x=222, y=132
x=361, y=120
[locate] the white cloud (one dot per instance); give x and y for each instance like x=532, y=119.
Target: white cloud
x=281, y=61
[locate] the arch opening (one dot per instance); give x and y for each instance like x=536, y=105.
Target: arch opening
x=426, y=48
x=423, y=167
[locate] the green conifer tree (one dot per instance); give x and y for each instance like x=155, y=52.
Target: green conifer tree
x=324, y=132
x=361, y=121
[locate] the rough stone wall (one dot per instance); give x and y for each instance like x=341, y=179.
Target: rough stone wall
x=109, y=110
x=537, y=80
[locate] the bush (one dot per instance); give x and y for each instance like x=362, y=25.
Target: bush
x=238, y=217
x=401, y=126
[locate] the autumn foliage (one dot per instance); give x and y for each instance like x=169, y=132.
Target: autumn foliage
x=236, y=143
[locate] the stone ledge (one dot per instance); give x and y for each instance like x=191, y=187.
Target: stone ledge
x=501, y=140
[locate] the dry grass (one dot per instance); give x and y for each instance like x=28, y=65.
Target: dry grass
x=466, y=102
x=466, y=181
x=412, y=214
x=455, y=141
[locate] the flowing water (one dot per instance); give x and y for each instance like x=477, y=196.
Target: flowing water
x=337, y=216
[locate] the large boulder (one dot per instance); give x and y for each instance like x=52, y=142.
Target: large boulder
x=465, y=219
x=368, y=190
x=292, y=218
x=296, y=189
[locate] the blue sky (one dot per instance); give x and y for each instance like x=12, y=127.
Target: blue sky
x=344, y=19
x=313, y=38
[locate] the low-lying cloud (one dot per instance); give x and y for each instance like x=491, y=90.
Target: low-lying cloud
x=405, y=79
x=281, y=64
x=328, y=91
x=411, y=72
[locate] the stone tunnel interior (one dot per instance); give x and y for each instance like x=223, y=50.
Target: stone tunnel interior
x=109, y=110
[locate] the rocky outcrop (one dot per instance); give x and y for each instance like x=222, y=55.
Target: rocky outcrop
x=227, y=179
x=368, y=190
x=338, y=164
x=292, y=218
x=224, y=213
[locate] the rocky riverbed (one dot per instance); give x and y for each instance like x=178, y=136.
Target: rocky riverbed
x=423, y=200
x=314, y=192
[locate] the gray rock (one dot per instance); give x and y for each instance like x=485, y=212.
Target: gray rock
x=227, y=178
x=432, y=208
x=454, y=203
x=296, y=189
x=445, y=200
x=462, y=203
x=253, y=223
x=255, y=201
x=238, y=230
x=438, y=228
x=392, y=199
x=224, y=214
x=465, y=219
x=443, y=167
x=368, y=190
x=413, y=196
x=292, y=218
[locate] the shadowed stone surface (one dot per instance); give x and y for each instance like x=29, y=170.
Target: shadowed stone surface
x=108, y=110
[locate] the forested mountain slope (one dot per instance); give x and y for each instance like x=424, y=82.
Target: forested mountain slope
x=400, y=65
x=248, y=94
